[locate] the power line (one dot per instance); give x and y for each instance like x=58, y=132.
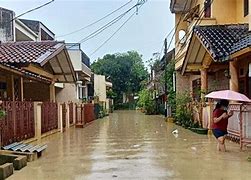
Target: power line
x=95, y=22
x=32, y=10
x=116, y=31
x=104, y=27
x=174, y=28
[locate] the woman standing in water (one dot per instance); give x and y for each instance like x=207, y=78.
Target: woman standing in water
x=220, y=122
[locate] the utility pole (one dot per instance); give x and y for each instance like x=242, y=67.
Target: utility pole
x=165, y=77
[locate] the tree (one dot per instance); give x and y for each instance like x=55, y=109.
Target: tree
x=126, y=70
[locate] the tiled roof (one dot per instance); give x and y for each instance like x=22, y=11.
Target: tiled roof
x=221, y=40
x=243, y=43
x=27, y=52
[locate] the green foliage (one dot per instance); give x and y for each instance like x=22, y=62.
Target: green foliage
x=147, y=102
x=183, y=113
x=126, y=70
x=2, y=113
x=111, y=94
x=170, y=70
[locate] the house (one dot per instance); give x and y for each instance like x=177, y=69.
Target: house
x=196, y=20
x=12, y=29
x=24, y=30
x=156, y=83
x=77, y=91
x=212, y=50
x=98, y=91
x=46, y=62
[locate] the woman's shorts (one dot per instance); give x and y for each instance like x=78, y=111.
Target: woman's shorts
x=218, y=133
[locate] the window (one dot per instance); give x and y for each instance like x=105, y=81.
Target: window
x=207, y=8
x=246, y=9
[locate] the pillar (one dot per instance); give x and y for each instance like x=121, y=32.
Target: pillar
x=38, y=120
x=52, y=92
x=204, y=82
x=12, y=88
x=233, y=71
x=21, y=89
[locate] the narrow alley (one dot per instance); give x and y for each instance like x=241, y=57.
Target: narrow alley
x=131, y=145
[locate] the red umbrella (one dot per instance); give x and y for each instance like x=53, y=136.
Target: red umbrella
x=228, y=95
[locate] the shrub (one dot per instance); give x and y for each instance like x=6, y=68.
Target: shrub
x=147, y=102
x=183, y=113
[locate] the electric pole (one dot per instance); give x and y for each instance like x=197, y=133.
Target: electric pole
x=165, y=77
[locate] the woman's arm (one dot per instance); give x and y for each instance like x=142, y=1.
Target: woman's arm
x=218, y=119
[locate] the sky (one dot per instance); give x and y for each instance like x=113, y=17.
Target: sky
x=145, y=32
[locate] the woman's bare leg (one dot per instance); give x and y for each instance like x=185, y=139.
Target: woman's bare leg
x=218, y=145
x=221, y=141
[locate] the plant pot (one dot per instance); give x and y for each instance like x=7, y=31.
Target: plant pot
x=200, y=130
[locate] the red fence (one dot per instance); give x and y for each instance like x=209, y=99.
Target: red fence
x=89, y=112
x=18, y=124
x=49, y=119
x=71, y=111
x=84, y=114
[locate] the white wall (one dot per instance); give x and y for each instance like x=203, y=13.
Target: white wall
x=68, y=93
x=100, y=87
x=75, y=56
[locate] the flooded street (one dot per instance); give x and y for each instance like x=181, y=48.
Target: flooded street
x=130, y=145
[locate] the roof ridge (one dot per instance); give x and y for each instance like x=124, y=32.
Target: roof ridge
x=31, y=42
x=221, y=25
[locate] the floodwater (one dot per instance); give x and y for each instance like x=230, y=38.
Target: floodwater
x=130, y=145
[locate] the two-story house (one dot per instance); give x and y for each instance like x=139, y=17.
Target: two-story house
x=77, y=91
x=212, y=52
x=31, y=39
x=209, y=45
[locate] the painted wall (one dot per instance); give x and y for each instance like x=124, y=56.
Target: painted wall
x=240, y=12
x=100, y=87
x=68, y=93
x=224, y=11
x=75, y=56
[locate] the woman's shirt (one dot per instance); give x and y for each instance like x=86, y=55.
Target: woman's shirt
x=222, y=124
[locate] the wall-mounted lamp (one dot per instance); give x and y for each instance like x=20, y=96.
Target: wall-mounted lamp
x=227, y=74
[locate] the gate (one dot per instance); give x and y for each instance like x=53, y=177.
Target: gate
x=49, y=120
x=18, y=124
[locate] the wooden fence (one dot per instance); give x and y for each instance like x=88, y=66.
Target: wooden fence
x=18, y=124
x=25, y=119
x=49, y=114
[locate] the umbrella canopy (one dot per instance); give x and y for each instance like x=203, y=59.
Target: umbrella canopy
x=228, y=95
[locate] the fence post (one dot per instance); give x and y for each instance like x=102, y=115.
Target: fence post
x=60, y=117
x=241, y=127
x=38, y=119
x=67, y=115
x=74, y=113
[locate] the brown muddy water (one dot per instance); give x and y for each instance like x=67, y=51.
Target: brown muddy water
x=130, y=145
